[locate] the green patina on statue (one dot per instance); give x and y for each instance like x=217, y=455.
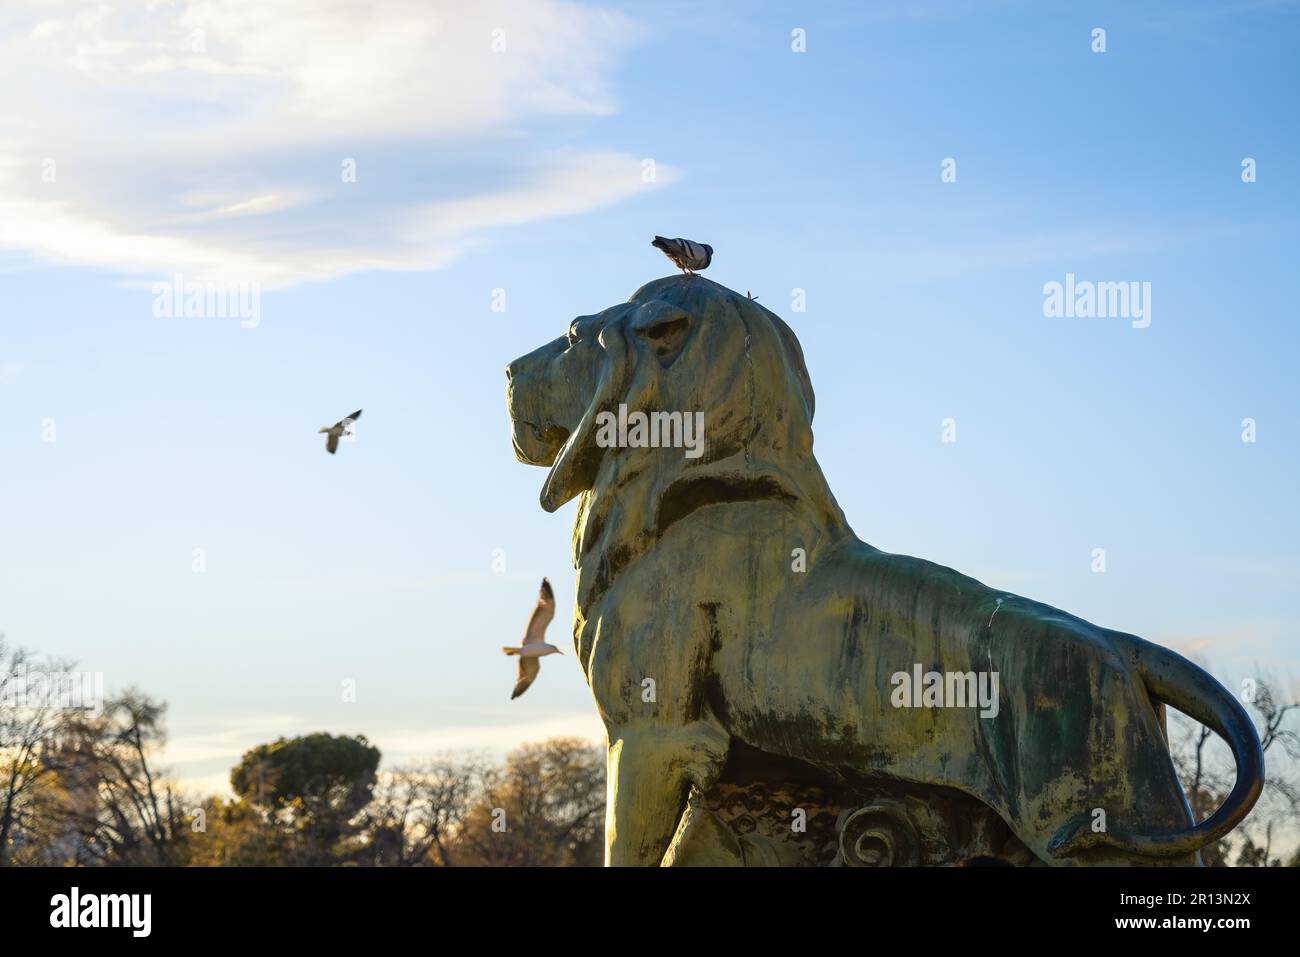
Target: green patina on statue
x=776, y=691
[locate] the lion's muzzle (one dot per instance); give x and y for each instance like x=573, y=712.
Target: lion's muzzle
x=543, y=400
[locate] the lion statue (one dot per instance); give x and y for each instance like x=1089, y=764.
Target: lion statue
x=724, y=606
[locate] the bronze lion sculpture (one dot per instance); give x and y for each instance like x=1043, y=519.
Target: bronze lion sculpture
x=724, y=602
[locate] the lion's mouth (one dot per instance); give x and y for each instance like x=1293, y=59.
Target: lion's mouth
x=537, y=445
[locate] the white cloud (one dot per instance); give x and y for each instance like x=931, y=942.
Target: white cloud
x=220, y=207
x=572, y=185
x=209, y=137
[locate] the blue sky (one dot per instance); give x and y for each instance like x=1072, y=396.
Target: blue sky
x=217, y=155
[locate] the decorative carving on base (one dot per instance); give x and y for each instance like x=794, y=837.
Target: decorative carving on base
x=877, y=835
x=768, y=812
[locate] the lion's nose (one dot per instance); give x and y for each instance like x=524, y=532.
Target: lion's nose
x=510, y=371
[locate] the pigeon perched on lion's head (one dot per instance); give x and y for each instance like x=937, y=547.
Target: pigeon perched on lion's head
x=687, y=255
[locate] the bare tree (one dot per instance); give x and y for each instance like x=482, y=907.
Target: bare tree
x=419, y=809
x=1206, y=771
x=118, y=804
x=1277, y=816
x=1205, y=779
x=28, y=724
x=546, y=807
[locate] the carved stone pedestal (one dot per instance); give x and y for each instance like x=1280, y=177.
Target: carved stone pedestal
x=768, y=812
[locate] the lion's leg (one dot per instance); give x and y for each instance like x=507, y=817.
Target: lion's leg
x=648, y=668
x=651, y=769
x=1118, y=777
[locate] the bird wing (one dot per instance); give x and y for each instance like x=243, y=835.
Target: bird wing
x=342, y=424
x=542, y=615
x=528, y=669
x=672, y=248
x=685, y=253
x=332, y=442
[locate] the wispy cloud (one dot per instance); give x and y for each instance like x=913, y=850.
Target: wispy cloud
x=401, y=745
x=201, y=760
x=221, y=139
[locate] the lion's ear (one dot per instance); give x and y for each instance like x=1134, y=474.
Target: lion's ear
x=664, y=328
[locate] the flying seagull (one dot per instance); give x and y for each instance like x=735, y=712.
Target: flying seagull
x=337, y=430
x=533, y=646
x=686, y=255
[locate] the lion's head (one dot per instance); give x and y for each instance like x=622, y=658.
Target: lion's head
x=683, y=345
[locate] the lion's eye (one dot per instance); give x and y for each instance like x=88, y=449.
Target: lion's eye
x=571, y=337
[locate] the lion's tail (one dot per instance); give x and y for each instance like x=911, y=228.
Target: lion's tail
x=1173, y=679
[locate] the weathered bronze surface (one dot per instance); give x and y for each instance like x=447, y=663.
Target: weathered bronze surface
x=742, y=644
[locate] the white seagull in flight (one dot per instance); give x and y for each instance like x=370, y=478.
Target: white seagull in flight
x=534, y=647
